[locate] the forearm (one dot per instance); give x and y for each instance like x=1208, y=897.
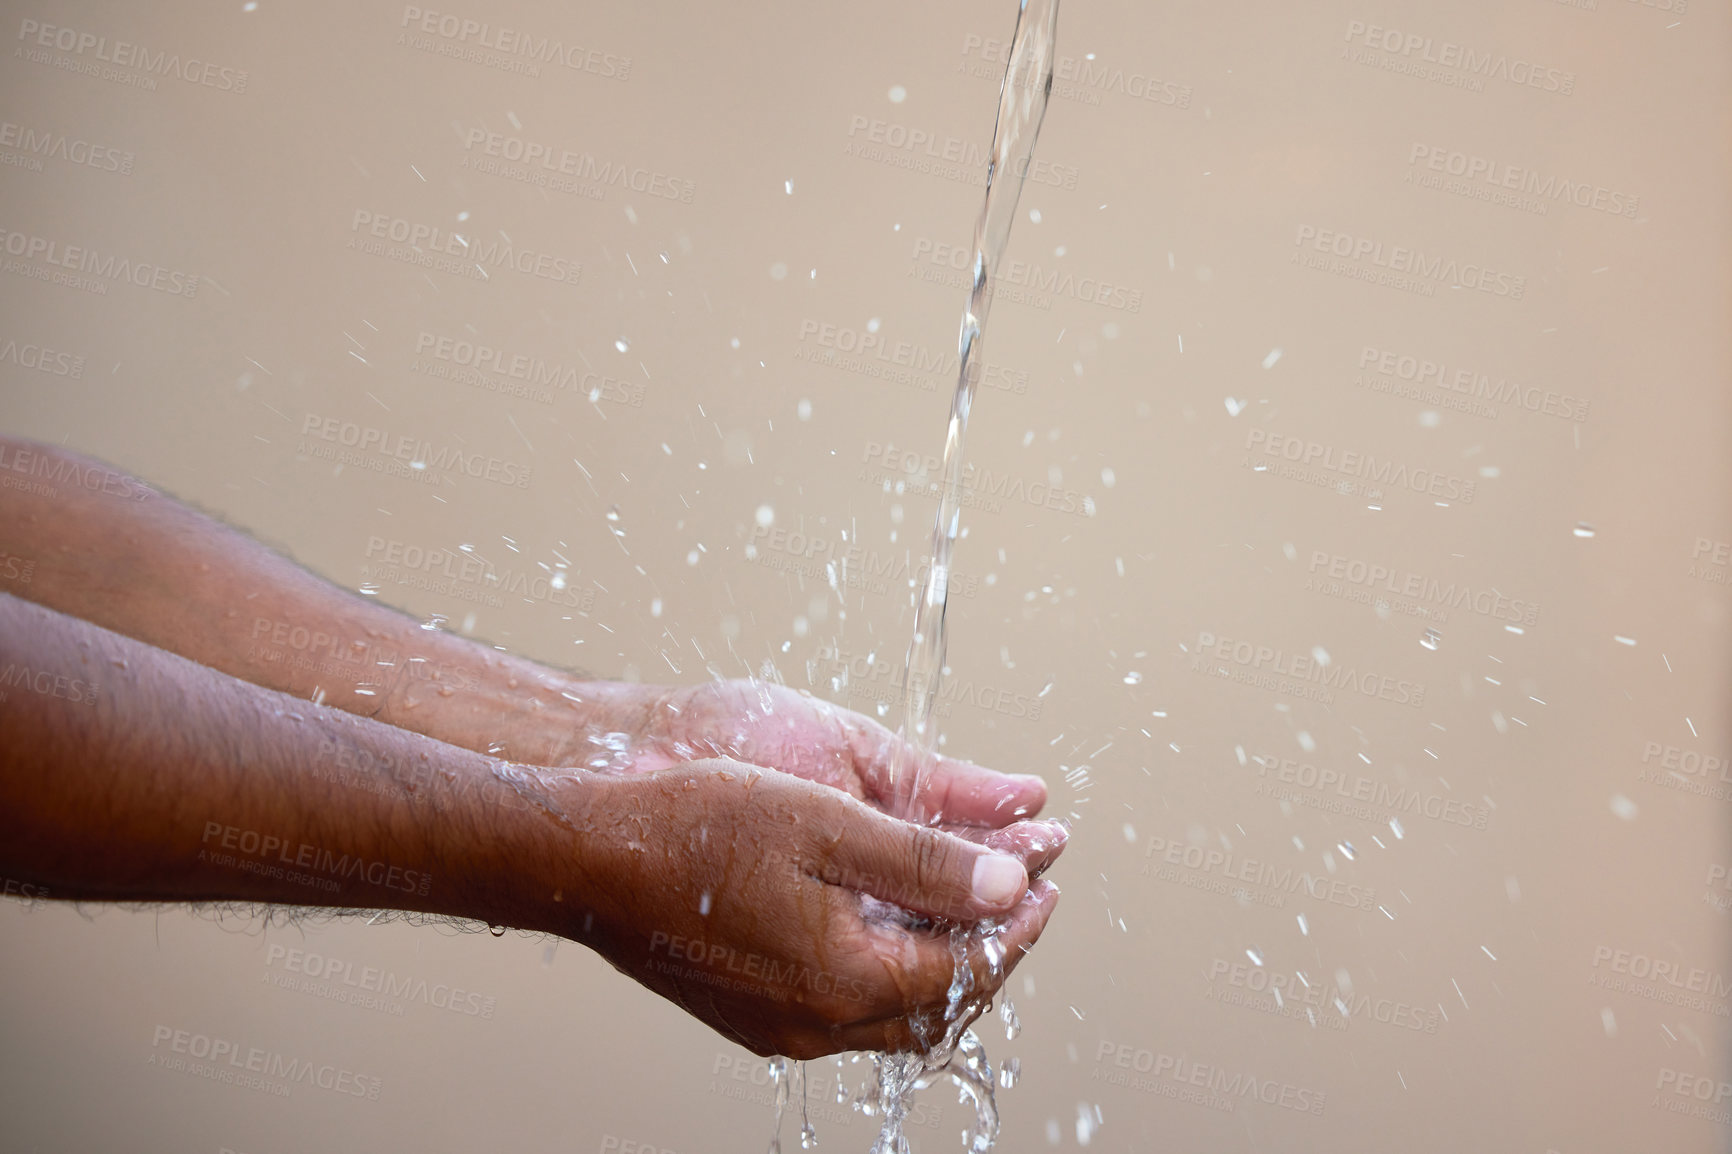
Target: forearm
x=107, y=548
x=127, y=773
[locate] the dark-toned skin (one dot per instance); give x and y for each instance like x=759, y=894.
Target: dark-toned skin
x=153, y=748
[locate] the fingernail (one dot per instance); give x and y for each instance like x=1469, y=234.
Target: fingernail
x=998, y=879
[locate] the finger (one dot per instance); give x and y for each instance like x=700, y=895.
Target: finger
x=917, y=867
x=954, y=791
x=1036, y=844
x=932, y=969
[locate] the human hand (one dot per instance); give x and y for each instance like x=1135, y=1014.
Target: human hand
x=735, y=893
x=799, y=734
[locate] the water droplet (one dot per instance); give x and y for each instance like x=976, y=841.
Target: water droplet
x=766, y=516
x=1320, y=655
x=808, y=1137
x=1235, y=406
x=1583, y=529
x=1431, y=638
x=1624, y=807
x=621, y=344
x=1304, y=926
x=778, y=271
x=898, y=94
x=1395, y=828
x=1347, y=850
x=1010, y=1073
x=1133, y=678
x=496, y=931
x=1255, y=956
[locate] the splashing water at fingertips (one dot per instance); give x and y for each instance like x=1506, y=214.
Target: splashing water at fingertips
x=959, y=1054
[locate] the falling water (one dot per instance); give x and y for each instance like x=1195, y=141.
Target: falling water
x=958, y=1054
x=1021, y=107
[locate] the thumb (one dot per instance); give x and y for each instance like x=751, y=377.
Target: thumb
x=923, y=869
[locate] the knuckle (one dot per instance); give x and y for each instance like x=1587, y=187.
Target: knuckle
x=930, y=858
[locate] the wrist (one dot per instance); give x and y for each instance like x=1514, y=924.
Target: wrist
x=504, y=706
x=519, y=850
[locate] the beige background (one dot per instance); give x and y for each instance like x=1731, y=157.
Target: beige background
x=1076, y=647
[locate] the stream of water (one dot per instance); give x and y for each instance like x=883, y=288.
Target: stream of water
x=958, y=1054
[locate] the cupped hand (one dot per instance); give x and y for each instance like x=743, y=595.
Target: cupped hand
x=796, y=733
x=736, y=894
